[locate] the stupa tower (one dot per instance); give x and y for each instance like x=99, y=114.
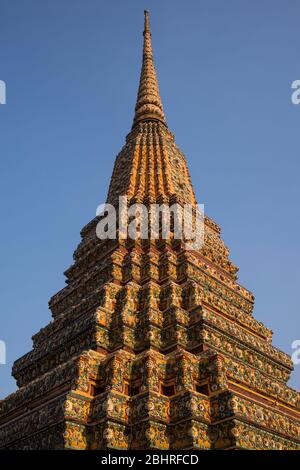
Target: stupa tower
x=151, y=345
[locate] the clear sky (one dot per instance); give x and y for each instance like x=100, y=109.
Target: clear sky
x=225, y=70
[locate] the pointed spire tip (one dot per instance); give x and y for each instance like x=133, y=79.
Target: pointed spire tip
x=147, y=26
x=148, y=105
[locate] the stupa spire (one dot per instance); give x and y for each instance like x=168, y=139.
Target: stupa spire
x=149, y=104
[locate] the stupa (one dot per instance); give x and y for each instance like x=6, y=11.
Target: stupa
x=152, y=345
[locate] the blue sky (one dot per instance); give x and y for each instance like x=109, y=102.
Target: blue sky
x=225, y=71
